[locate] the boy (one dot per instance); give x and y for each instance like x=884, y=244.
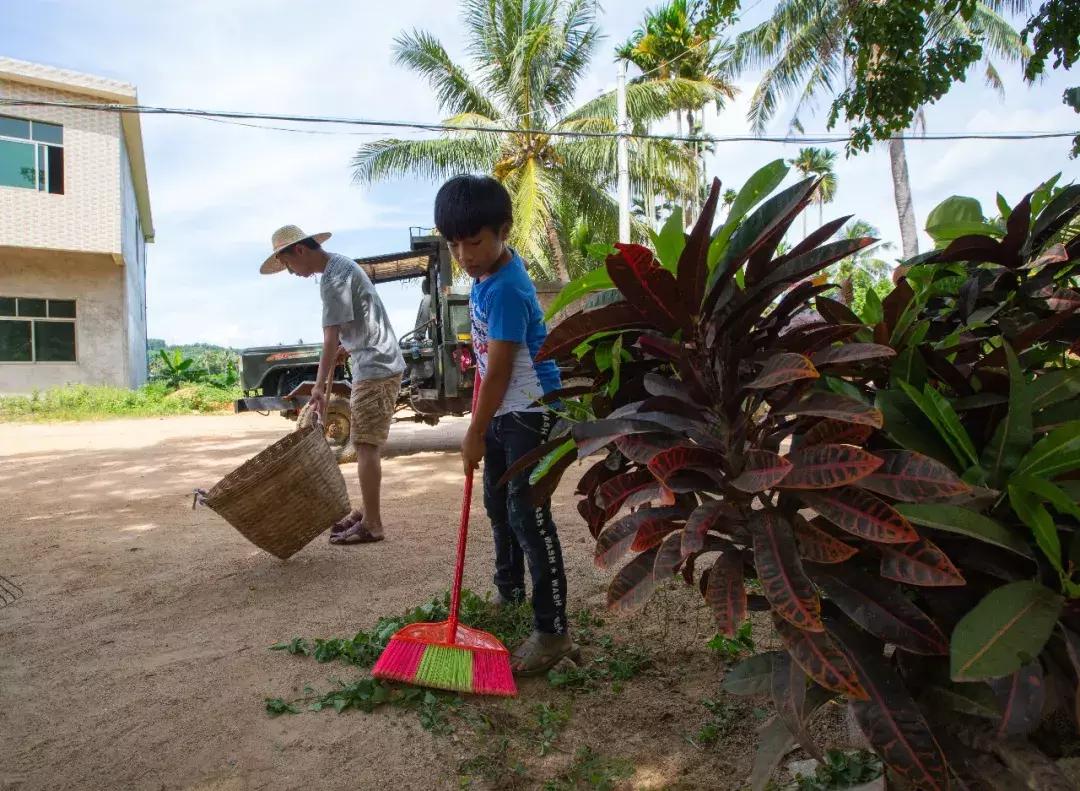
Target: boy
x=474, y=215
x=354, y=316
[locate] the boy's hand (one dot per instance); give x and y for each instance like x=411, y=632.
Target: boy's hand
x=318, y=398
x=472, y=450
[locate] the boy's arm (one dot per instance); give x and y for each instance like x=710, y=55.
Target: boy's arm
x=500, y=365
x=331, y=339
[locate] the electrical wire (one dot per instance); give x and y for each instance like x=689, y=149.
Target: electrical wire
x=237, y=116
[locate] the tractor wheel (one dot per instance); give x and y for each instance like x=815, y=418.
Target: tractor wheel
x=337, y=428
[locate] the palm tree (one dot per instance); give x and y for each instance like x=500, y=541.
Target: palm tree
x=801, y=49
x=864, y=266
x=818, y=162
x=528, y=57
x=680, y=39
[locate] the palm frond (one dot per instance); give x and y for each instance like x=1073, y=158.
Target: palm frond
x=455, y=92
x=652, y=100
x=428, y=159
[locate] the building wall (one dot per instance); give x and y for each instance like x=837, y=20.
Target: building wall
x=133, y=246
x=96, y=283
x=87, y=217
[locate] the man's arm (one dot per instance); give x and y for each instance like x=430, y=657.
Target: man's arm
x=331, y=339
x=492, y=391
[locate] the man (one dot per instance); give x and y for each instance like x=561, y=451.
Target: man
x=354, y=316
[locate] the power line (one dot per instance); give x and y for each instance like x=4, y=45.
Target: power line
x=241, y=116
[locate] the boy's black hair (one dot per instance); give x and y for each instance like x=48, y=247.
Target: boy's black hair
x=310, y=244
x=465, y=205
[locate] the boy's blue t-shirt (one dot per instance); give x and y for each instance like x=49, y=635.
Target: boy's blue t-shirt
x=504, y=307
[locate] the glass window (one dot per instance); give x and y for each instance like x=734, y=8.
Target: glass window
x=15, y=341
x=55, y=157
x=61, y=309
x=31, y=307
x=7, y=306
x=14, y=127
x=54, y=341
x=47, y=133
x=17, y=165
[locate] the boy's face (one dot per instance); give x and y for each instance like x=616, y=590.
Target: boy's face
x=478, y=255
x=299, y=260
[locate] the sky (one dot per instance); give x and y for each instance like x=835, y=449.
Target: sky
x=219, y=190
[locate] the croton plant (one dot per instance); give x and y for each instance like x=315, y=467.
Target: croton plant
x=903, y=484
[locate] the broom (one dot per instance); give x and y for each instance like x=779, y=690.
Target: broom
x=447, y=655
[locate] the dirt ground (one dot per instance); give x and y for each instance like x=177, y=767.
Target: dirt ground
x=137, y=657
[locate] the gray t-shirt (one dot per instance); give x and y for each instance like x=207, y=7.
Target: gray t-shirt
x=350, y=301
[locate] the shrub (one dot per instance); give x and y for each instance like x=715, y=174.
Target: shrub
x=888, y=479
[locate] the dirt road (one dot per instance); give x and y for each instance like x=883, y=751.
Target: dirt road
x=138, y=658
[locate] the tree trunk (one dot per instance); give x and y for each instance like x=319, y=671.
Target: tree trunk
x=909, y=234
x=691, y=204
x=557, y=253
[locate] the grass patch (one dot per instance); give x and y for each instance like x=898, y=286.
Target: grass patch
x=723, y=718
x=731, y=649
x=615, y=663
x=842, y=770
x=591, y=770
x=85, y=402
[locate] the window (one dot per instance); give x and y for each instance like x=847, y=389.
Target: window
x=31, y=155
x=34, y=330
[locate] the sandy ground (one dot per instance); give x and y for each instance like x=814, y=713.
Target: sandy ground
x=137, y=657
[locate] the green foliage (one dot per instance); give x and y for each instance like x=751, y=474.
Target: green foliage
x=194, y=363
x=550, y=720
x=614, y=663
x=934, y=522
x=724, y=717
x=732, y=648
x=842, y=770
x=87, y=402
x=591, y=770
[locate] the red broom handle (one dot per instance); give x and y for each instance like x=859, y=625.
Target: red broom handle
x=463, y=531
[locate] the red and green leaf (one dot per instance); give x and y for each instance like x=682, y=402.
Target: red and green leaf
x=634, y=583
x=706, y=517
x=1022, y=697
x=861, y=514
x=668, y=557
x=820, y=659
x=693, y=267
x=817, y=546
x=882, y=610
x=726, y=592
x=889, y=718
x=652, y=531
x=683, y=457
x=641, y=448
x=912, y=478
x=780, y=571
x=569, y=334
x=617, y=539
x=646, y=284
x=851, y=353
x=828, y=466
x=920, y=563
x=835, y=312
x=837, y=407
x=828, y=432
x=788, y=689
x=763, y=470
x=613, y=493
x=781, y=369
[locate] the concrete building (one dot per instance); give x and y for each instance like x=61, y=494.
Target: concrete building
x=74, y=223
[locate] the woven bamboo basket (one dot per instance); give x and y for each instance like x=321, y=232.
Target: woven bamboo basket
x=284, y=497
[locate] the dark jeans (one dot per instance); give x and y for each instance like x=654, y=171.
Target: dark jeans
x=523, y=532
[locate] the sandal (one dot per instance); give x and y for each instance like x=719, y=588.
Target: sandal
x=356, y=533
x=343, y=524
x=541, y=652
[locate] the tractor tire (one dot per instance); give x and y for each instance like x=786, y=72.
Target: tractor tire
x=337, y=429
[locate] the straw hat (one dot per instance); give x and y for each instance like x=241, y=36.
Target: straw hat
x=282, y=238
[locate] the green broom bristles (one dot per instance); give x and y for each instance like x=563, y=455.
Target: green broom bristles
x=445, y=667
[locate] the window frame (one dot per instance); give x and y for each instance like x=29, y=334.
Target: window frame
x=42, y=170
x=33, y=334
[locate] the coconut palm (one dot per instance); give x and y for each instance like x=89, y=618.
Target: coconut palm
x=801, y=49
x=680, y=40
x=818, y=162
x=864, y=269
x=528, y=57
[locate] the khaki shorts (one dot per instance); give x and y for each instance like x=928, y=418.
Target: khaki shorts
x=372, y=406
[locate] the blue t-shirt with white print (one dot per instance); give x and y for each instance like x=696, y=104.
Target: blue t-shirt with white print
x=503, y=307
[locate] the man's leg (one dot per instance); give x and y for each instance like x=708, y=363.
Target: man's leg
x=369, y=470
x=533, y=526
x=509, y=558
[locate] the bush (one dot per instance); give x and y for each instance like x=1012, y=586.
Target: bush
x=85, y=402
x=886, y=478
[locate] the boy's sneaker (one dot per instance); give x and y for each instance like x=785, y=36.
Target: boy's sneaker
x=501, y=602
x=541, y=651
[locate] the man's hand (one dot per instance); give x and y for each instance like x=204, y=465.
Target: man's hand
x=472, y=450
x=318, y=398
